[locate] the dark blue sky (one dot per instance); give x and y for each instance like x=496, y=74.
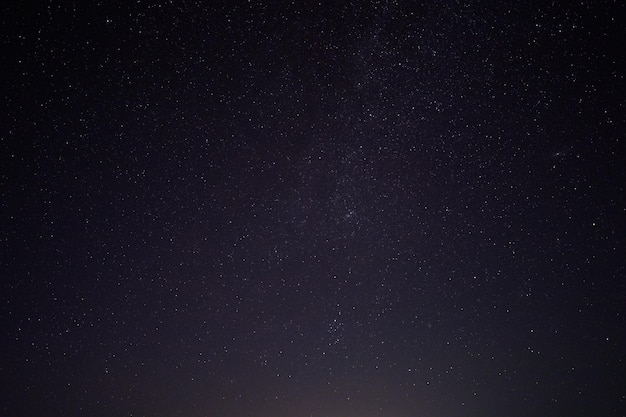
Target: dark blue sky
x=363, y=209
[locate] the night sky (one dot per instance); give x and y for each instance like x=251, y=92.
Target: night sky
x=312, y=209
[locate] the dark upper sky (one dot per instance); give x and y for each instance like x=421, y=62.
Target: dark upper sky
x=334, y=209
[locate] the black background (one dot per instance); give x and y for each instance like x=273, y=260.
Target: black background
x=362, y=209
